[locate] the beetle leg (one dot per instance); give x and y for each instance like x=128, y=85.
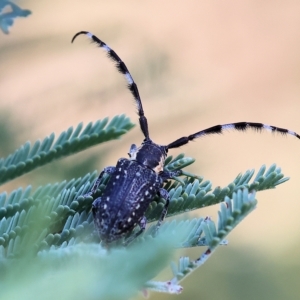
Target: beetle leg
x=107, y=170
x=174, y=175
x=142, y=225
x=95, y=208
x=164, y=194
x=169, y=174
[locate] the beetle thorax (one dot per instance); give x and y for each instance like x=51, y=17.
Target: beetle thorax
x=150, y=155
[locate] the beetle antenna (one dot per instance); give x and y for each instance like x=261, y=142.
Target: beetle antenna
x=122, y=69
x=240, y=126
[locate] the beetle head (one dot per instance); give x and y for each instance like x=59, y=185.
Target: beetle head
x=150, y=155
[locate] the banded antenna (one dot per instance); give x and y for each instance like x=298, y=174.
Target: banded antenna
x=124, y=70
x=239, y=126
x=217, y=129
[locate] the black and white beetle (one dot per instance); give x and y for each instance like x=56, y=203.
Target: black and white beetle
x=135, y=181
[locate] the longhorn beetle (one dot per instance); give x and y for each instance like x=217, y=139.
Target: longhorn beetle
x=134, y=182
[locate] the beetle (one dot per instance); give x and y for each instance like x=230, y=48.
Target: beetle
x=135, y=181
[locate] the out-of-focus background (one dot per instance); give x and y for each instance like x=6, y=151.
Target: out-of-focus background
x=197, y=64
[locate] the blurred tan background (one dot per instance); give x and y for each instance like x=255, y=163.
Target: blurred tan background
x=197, y=64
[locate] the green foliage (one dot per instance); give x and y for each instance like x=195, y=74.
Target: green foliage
x=47, y=237
x=27, y=158
x=9, y=11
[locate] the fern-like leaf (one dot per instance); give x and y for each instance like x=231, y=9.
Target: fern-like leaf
x=232, y=212
x=197, y=193
x=28, y=158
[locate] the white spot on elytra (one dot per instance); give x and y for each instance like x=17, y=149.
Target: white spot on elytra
x=138, y=174
x=118, y=176
x=107, y=199
x=120, y=169
x=129, y=220
x=146, y=193
x=138, y=206
x=104, y=206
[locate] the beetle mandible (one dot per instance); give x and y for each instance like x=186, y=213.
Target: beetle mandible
x=134, y=182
